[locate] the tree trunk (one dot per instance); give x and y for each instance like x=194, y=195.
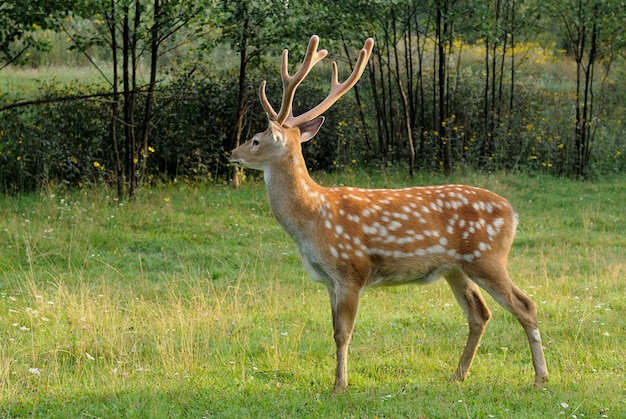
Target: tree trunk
x=119, y=172
x=147, y=115
x=241, y=102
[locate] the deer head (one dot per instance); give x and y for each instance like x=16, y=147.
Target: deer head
x=285, y=129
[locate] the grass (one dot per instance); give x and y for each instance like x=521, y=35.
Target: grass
x=191, y=302
x=22, y=83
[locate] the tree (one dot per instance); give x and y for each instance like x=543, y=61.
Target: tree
x=19, y=18
x=251, y=27
x=593, y=30
x=133, y=29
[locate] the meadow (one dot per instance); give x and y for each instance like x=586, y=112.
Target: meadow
x=190, y=301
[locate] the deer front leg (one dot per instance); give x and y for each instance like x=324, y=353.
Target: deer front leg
x=344, y=304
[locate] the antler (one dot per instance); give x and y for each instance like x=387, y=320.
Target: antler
x=290, y=83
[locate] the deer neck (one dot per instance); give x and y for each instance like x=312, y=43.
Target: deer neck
x=294, y=197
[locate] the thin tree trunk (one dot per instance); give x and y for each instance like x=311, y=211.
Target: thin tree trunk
x=241, y=103
x=147, y=115
x=127, y=108
x=119, y=172
x=366, y=134
x=444, y=143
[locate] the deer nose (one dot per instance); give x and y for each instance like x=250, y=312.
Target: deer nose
x=233, y=158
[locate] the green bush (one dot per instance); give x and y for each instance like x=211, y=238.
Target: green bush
x=68, y=142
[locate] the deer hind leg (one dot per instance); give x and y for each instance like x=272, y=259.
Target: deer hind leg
x=344, y=304
x=498, y=283
x=471, y=301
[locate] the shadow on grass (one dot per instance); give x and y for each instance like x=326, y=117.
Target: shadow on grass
x=271, y=399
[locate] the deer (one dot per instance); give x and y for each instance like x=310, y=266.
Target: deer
x=351, y=238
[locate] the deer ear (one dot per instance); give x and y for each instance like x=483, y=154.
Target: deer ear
x=309, y=129
x=277, y=131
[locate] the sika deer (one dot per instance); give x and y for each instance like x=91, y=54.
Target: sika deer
x=352, y=238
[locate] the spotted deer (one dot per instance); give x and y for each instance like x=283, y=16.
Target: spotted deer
x=353, y=238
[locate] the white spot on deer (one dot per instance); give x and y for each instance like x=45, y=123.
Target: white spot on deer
x=328, y=224
x=305, y=186
x=498, y=222
x=483, y=246
x=436, y=249
x=371, y=230
x=334, y=252
x=443, y=241
x=394, y=225
x=354, y=218
x=358, y=253
x=400, y=216
x=339, y=230
x=405, y=240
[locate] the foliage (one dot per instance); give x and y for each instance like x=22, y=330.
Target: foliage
x=52, y=144
x=18, y=20
x=481, y=95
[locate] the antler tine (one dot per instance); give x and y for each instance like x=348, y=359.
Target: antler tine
x=337, y=89
x=269, y=110
x=291, y=83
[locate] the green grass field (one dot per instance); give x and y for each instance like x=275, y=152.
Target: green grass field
x=18, y=83
x=192, y=302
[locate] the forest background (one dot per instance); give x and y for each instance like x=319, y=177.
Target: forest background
x=133, y=92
